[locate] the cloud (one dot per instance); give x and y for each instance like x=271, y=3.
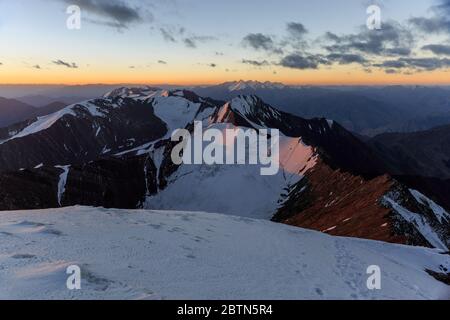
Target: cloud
x=173, y=34
x=190, y=43
x=72, y=65
x=36, y=67
x=438, y=49
x=314, y=61
x=428, y=64
x=256, y=63
x=1, y=63
x=259, y=41
x=417, y=64
x=391, y=71
x=300, y=61
x=212, y=65
x=162, y=62
x=296, y=30
x=444, y=7
x=393, y=39
x=116, y=12
x=167, y=35
x=438, y=23
x=346, y=58
x=332, y=37
x=397, y=64
x=431, y=25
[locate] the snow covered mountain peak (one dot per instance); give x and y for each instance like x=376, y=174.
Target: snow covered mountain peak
x=243, y=85
x=249, y=111
x=130, y=92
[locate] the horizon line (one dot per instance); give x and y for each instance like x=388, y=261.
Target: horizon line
x=219, y=83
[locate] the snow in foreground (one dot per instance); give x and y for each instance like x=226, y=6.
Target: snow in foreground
x=127, y=254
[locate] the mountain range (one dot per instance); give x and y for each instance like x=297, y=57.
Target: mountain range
x=13, y=111
x=114, y=151
x=363, y=110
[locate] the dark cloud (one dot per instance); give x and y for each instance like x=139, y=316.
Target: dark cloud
x=346, y=58
x=314, y=61
x=431, y=25
x=444, y=7
x=116, y=12
x=391, y=71
x=384, y=42
x=438, y=23
x=398, y=51
x=331, y=36
x=191, y=42
x=72, y=65
x=416, y=64
x=439, y=49
x=173, y=34
x=256, y=63
x=36, y=67
x=296, y=30
x=428, y=64
x=397, y=64
x=301, y=61
x=259, y=41
x=167, y=35
x=162, y=62
x=212, y=65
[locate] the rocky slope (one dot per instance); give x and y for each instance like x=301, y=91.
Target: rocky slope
x=424, y=153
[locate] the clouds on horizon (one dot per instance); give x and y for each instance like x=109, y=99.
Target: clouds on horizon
x=62, y=63
x=394, y=48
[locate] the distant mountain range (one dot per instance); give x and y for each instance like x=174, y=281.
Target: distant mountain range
x=13, y=111
x=114, y=151
x=367, y=111
x=364, y=110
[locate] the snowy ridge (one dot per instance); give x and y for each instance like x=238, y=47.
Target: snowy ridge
x=419, y=221
x=440, y=212
x=185, y=255
x=45, y=122
x=247, y=106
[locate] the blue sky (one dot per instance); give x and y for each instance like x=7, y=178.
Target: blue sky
x=200, y=41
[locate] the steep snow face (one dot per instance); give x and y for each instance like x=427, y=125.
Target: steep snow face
x=232, y=188
x=433, y=228
x=440, y=213
x=185, y=255
x=175, y=111
x=252, y=109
